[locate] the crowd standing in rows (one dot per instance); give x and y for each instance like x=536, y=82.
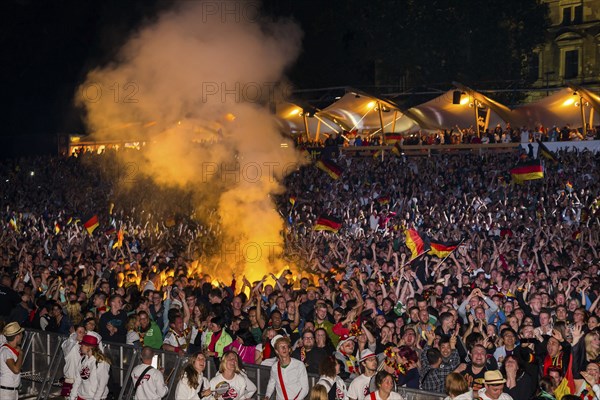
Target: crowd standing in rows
x=508, y=314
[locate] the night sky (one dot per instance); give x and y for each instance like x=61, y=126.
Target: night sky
x=49, y=46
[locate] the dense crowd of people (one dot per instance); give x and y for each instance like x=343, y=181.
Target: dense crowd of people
x=459, y=135
x=511, y=312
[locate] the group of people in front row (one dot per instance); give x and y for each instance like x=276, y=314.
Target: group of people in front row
x=87, y=372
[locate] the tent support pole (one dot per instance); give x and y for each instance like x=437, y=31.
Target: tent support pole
x=583, y=127
x=380, y=112
x=305, y=117
x=591, y=123
x=394, y=123
x=476, y=116
x=318, y=130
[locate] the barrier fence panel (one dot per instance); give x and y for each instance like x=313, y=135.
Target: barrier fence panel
x=44, y=361
x=42, y=354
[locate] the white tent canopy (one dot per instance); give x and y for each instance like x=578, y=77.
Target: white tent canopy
x=441, y=113
x=360, y=112
x=559, y=109
x=291, y=118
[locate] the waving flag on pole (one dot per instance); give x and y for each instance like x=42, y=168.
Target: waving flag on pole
x=442, y=249
x=527, y=171
x=415, y=243
x=331, y=168
x=91, y=224
x=119, y=242
x=328, y=223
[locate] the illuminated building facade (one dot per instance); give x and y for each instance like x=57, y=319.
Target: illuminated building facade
x=571, y=53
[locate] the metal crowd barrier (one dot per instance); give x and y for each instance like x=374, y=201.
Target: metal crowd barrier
x=44, y=362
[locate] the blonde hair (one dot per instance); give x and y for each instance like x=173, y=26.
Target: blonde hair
x=74, y=312
x=591, y=353
x=99, y=355
x=237, y=361
x=318, y=392
x=456, y=384
x=131, y=322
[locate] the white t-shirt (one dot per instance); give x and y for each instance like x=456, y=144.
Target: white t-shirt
x=240, y=387
x=185, y=392
x=7, y=377
x=359, y=387
x=72, y=363
x=503, y=396
x=152, y=385
x=393, y=396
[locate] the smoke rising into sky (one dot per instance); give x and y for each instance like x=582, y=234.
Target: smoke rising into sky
x=206, y=71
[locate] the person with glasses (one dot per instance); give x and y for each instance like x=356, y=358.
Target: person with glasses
x=309, y=354
x=149, y=331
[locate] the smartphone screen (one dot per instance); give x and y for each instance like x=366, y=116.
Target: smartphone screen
x=155, y=361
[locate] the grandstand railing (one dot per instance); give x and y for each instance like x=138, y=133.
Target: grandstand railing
x=44, y=362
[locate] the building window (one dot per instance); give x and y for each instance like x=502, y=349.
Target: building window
x=571, y=64
x=572, y=13
x=578, y=15
x=534, y=67
x=566, y=16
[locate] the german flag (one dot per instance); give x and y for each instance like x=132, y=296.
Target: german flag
x=293, y=200
x=328, y=223
x=91, y=224
x=527, y=171
x=397, y=150
x=415, y=243
x=56, y=228
x=393, y=138
x=546, y=153
x=331, y=168
x=170, y=222
x=119, y=242
x=569, y=187
x=383, y=200
x=567, y=385
x=377, y=154
x=442, y=249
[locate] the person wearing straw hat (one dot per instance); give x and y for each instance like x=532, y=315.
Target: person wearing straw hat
x=11, y=361
x=91, y=383
x=494, y=387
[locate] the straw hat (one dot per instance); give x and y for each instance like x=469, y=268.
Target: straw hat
x=493, y=378
x=12, y=329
